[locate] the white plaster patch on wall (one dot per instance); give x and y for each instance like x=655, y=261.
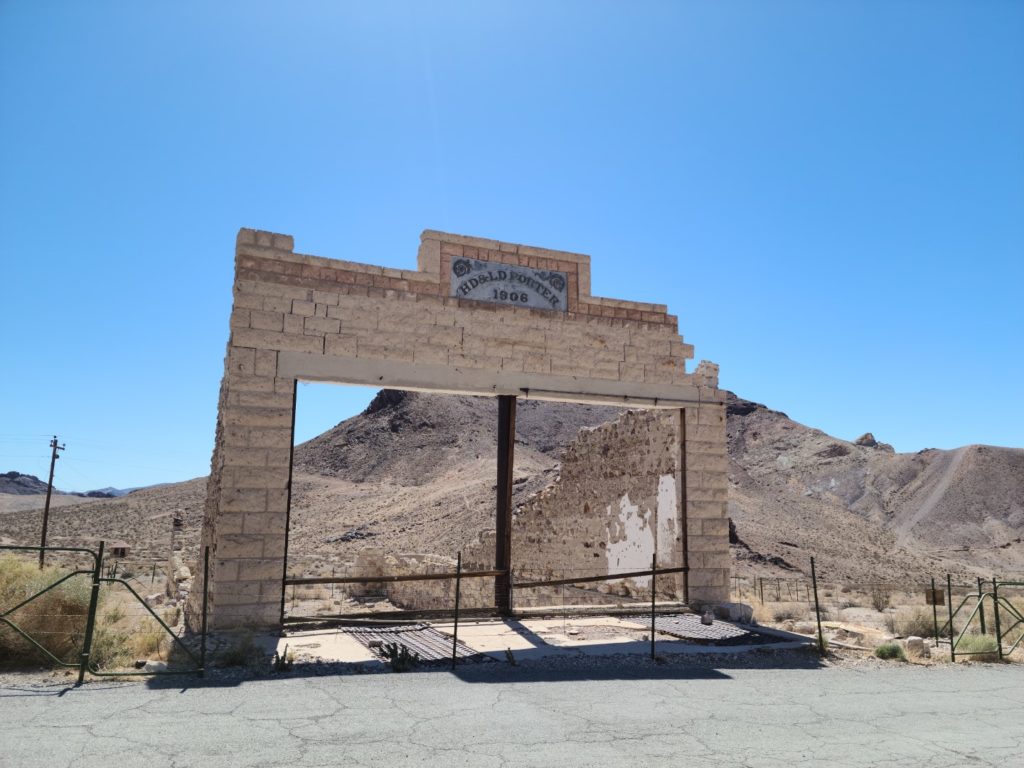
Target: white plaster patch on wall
x=668, y=514
x=630, y=540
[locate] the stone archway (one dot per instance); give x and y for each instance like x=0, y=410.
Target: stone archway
x=477, y=317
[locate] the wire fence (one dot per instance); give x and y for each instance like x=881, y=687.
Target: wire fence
x=426, y=584
x=105, y=616
x=866, y=614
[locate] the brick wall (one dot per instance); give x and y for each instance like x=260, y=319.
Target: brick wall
x=292, y=310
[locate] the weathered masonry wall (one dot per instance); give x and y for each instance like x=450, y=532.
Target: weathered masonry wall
x=306, y=317
x=615, y=502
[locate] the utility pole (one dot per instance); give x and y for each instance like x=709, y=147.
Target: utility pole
x=54, y=447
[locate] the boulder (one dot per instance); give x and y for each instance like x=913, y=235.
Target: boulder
x=738, y=612
x=915, y=646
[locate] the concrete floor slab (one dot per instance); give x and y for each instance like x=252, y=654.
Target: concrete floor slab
x=329, y=644
x=527, y=639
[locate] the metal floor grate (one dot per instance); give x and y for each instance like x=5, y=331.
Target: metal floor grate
x=429, y=643
x=687, y=626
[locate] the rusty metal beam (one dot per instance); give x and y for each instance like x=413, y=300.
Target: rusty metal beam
x=586, y=579
x=503, y=519
x=388, y=579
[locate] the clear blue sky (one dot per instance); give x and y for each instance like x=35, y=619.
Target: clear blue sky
x=829, y=195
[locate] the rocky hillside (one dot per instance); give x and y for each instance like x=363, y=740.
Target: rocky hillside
x=17, y=484
x=416, y=473
x=863, y=509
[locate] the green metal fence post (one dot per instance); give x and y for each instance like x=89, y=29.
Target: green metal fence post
x=981, y=607
x=455, y=627
x=952, y=633
x=995, y=608
x=206, y=595
x=817, y=609
x=935, y=613
x=90, y=620
x=654, y=580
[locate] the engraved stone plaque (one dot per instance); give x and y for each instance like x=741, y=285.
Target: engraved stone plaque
x=506, y=284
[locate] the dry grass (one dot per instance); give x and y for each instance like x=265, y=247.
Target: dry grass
x=242, y=652
x=906, y=622
x=980, y=647
x=56, y=620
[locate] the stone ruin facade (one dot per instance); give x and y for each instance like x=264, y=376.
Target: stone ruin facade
x=477, y=317
x=614, y=503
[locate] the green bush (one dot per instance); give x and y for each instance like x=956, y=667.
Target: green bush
x=890, y=651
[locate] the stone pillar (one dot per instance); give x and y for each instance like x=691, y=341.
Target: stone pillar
x=246, y=521
x=707, y=487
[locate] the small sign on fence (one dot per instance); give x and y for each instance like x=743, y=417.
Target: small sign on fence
x=935, y=596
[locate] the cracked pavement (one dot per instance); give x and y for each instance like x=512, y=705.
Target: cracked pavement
x=494, y=715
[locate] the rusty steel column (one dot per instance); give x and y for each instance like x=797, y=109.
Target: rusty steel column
x=503, y=519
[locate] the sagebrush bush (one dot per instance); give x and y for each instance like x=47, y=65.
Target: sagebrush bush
x=890, y=651
x=880, y=597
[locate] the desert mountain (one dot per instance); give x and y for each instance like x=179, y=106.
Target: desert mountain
x=416, y=473
x=17, y=484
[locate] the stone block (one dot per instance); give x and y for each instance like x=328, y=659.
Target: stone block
x=238, y=416
x=304, y=308
x=266, y=321
x=295, y=324
x=236, y=546
x=241, y=359
x=273, y=523
x=274, y=340
x=261, y=569
x=322, y=325
x=705, y=543
x=266, y=362
x=342, y=345
x=430, y=354
x=243, y=500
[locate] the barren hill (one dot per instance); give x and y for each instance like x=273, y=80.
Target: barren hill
x=416, y=473
x=865, y=510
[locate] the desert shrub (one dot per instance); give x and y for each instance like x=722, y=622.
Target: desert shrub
x=789, y=611
x=56, y=619
x=149, y=639
x=981, y=647
x=242, y=651
x=114, y=614
x=110, y=648
x=400, y=657
x=912, y=621
x=880, y=598
x=849, y=602
x=890, y=651
x=171, y=615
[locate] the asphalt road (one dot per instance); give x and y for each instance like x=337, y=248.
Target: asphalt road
x=636, y=714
